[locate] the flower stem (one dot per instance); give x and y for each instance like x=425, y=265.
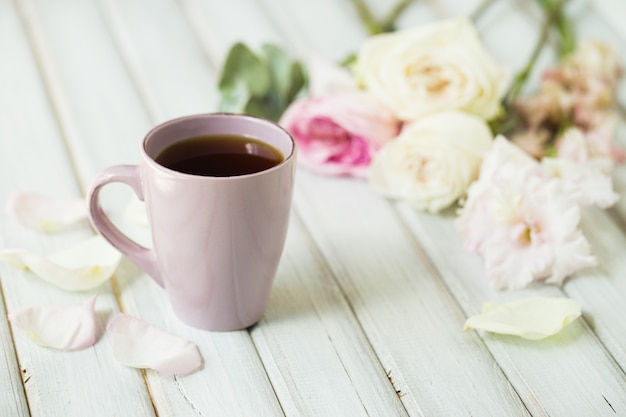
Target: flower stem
x=389, y=21
x=367, y=18
x=562, y=25
x=375, y=27
x=522, y=76
x=480, y=10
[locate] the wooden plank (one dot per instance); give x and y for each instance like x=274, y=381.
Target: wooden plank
x=33, y=159
x=317, y=357
x=612, y=12
x=212, y=21
x=108, y=121
x=12, y=396
x=137, y=35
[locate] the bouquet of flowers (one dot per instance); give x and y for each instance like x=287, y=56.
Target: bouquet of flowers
x=428, y=116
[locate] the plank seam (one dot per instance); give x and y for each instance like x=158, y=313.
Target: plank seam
x=325, y=266
x=436, y=274
x=123, y=44
x=48, y=72
x=17, y=358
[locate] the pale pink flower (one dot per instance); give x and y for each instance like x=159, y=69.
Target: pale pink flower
x=588, y=183
x=524, y=224
x=491, y=199
x=584, y=162
x=339, y=134
x=595, y=57
x=580, y=91
x=593, y=148
x=541, y=240
x=533, y=142
x=600, y=138
x=588, y=77
x=551, y=104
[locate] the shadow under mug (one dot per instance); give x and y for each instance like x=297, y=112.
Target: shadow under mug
x=217, y=241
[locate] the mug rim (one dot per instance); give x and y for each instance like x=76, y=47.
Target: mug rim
x=152, y=162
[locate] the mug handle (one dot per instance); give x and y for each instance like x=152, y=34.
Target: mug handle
x=130, y=175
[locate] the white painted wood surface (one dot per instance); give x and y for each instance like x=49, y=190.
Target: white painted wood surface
x=367, y=311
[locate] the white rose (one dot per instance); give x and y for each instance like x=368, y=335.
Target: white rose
x=433, y=160
x=441, y=66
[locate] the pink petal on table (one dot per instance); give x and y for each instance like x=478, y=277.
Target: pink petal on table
x=48, y=214
x=79, y=268
x=59, y=327
x=139, y=344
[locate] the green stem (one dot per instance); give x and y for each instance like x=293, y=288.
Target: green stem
x=375, y=27
x=480, y=10
x=387, y=24
x=522, y=76
x=367, y=18
x=563, y=26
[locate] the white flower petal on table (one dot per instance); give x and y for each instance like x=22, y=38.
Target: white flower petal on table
x=531, y=318
x=139, y=344
x=47, y=214
x=60, y=327
x=79, y=268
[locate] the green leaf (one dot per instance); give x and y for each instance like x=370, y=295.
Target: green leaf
x=298, y=80
x=235, y=99
x=286, y=74
x=260, y=85
x=263, y=107
x=243, y=69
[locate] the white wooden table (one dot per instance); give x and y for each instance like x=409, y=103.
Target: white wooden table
x=366, y=315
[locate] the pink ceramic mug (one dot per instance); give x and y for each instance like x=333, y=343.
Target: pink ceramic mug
x=217, y=241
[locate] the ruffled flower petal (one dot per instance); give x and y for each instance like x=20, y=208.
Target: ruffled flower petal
x=79, y=268
x=47, y=214
x=433, y=161
x=337, y=134
x=59, y=327
x=524, y=223
x=531, y=318
x=592, y=186
x=139, y=344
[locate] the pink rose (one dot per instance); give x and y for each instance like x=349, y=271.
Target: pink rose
x=338, y=134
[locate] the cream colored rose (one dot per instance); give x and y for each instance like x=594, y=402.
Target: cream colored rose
x=433, y=161
x=441, y=66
